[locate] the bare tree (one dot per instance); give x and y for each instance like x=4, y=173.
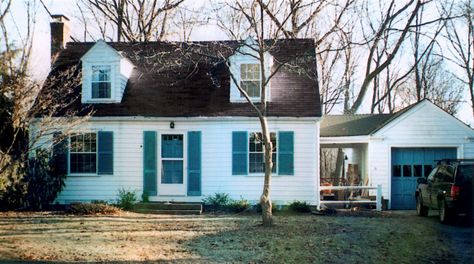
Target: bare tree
x=390, y=19
x=437, y=84
x=132, y=20
x=29, y=109
x=248, y=18
x=460, y=36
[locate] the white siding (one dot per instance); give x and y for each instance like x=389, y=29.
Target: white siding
x=423, y=126
x=216, y=162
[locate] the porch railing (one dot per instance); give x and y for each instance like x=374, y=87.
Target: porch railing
x=378, y=198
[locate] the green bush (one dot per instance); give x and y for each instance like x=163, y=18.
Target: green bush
x=218, y=200
x=33, y=186
x=239, y=205
x=300, y=207
x=91, y=209
x=127, y=199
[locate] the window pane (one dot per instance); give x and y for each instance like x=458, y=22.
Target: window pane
x=172, y=172
x=251, y=87
x=256, y=163
x=417, y=170
x=101, y=90
x=427, y=170
x=274, y=159
x=407, y=171
x=397, y=170
x=274, y=141
x=83, y=163
x=172, y=146
x=93, y=142
x=101, y=73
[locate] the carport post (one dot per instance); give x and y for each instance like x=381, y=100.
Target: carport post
x=379, y=198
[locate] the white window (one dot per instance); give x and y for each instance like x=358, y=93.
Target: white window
x=256, y=152
x=101, y=82
x=83, y=153
x=250, y=79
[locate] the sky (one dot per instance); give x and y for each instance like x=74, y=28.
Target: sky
x=41, y=49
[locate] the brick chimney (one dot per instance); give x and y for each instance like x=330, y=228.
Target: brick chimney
x=59, y=34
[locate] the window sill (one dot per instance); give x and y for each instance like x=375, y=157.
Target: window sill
x=243, y=100
x=83, y=175
x=260, y=175
x=100, y=101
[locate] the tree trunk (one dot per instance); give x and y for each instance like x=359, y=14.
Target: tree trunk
x=265, y=201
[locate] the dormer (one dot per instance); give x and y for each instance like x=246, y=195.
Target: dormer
x=105, y=73
x=245, y=67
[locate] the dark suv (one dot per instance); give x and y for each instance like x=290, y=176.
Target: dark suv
x=447, y=188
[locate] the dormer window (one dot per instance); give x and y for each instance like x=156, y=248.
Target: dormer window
x=246, y=73
x=250, y=79
x=105, y=73
x=101, y=82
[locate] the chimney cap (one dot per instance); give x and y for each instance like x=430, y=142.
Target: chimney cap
x=59, y=18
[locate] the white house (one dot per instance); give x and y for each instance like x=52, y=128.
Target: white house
x=169, y=122
x=393, y=150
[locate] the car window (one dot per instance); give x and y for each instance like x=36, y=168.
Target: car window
x=444, y=174
x=432, y=174
x=464, y=173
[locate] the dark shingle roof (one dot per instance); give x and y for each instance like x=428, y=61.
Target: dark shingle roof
x=351, y=125
x=357, y=125
x=173, y=79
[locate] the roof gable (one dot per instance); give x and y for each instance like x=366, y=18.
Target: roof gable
x=422, y=109
x=101, y=51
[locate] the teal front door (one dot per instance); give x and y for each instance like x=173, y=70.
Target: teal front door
x=172, y=180
x=408, y=164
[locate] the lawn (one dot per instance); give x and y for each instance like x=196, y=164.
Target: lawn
x=130, y=237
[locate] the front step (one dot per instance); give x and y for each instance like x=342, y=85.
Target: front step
x=168, y=208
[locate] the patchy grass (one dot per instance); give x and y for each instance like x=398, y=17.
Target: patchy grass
x=211, y=239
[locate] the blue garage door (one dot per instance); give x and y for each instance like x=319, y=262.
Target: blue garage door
x=408, y=164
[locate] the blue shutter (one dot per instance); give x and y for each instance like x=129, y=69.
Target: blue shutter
x=60, y=152
x=149, y=163
x=239, y=153
x=105, y=153
x=194, y=163
x=286, y=153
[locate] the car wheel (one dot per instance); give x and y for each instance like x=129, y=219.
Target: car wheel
x=420, y=209
x=445, y=215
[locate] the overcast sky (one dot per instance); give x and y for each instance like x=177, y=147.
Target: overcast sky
x=41, y=49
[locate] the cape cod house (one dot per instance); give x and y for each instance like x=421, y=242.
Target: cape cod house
x=168, y=121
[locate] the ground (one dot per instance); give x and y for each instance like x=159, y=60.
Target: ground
x=137, y=238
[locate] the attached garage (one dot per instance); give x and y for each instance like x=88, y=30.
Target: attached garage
x=408, y=164
x=393, y=150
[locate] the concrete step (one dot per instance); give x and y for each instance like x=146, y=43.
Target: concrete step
x=170, y=212
x=168, y=208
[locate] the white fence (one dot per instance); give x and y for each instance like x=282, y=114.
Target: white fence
x=378, y=199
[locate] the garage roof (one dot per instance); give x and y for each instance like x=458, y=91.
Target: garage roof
x=357, y=124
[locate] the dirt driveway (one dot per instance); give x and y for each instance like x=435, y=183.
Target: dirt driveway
x=133, y=238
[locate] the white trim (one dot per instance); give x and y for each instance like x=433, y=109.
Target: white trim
x=182, y=187
x=345, y=140
x=79, y=174
x=200, y=118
